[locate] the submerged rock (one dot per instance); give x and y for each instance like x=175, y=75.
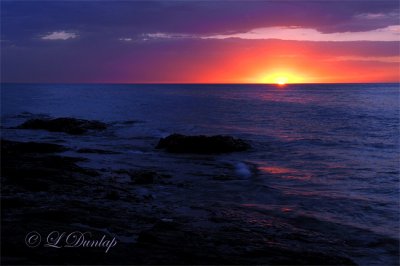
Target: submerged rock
x=68, y=125
x=177, y=143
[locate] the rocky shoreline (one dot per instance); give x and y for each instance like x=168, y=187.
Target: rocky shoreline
x=45, y=190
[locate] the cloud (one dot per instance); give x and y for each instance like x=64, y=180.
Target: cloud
x=99, y=20
x=376, y=16
x=383, y=59
x=126, y=39
x=60, y=35
x=162, y=35
x=390, y=33
x=159, y=36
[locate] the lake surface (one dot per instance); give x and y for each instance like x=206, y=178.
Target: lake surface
x=322, y=155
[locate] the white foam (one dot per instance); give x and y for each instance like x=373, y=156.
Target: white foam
x=242, y=170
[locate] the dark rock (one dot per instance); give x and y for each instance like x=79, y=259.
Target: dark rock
x=143, y=177
x=177, y=143
x=112, y=195
x=167, y=224
x=27, y=165
x=55, y=215
x=98, y=151
x=31, y=147
x=64, y=124
x=7, y=203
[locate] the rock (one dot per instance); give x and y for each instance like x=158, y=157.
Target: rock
x=28, y=165
x=51, y=215
x=143, y=177
x=68, y=125
x=177, y=143
x=112, y=195
x=30, y=147
x=10, y=202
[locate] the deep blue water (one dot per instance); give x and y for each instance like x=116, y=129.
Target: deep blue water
x=327, y=152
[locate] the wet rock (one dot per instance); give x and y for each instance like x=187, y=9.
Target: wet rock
x=9, y=202
x=31, y=147
x=68, y=125
x=201, y=144
x=30, y=166
x=52, y=215
x=167, y=224
x=113, y=195
x=143, y=177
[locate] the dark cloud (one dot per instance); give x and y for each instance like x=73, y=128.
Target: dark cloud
x=25, y=20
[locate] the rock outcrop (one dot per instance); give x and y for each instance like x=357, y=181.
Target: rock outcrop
x=68, y=125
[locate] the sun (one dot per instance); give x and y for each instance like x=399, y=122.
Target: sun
x=280, y=77
x=281, y=80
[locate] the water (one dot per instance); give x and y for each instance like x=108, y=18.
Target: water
x=326, y=153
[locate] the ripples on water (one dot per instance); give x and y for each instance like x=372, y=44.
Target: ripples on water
x=327, y=152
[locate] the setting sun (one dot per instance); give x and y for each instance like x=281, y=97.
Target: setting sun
x=281, y=80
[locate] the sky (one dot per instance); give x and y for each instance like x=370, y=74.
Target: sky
x=276, y=41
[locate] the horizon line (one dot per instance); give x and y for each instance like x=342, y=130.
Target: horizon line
x=197, y=83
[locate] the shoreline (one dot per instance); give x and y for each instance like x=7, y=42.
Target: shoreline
x=153, y=214
x=158, y=240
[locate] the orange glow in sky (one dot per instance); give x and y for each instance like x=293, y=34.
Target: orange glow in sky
x=171, y=42
x=288, y=62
